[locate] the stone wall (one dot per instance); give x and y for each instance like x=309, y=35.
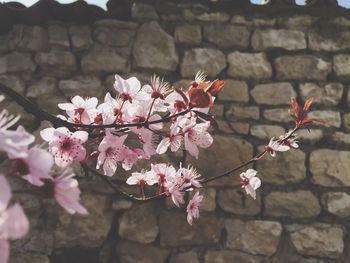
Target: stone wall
x=302, y=210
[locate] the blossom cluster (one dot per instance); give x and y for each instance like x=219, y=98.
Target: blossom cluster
x=135, y=124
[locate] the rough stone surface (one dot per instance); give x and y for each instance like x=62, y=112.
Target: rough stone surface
x=58, y=36
x=104, y=61
x=46, y=87
x=209, y=60
x=249, y=65
x=30, y=38
x=139, y=224
x=297, y=21
x=319, y=240
x=346, y=120
x=286, y=168
x=331, y=118
x=88, y=85
x=131, y=252
x=114, y=36
x=298, y=204
x=341, y=66
x=234, y=90
x=329, y=94
x=278, y=115
x=80, y=37
x=236, y=150
x=223, y=256
x=266, y=131
x=186, y=257
x=341, y=137
x=312, y=136
x=85, y=231
x=273, y=93
x=227, y=36
x=255, y=237
x=16, y=62
x=28, y=257
x=278, y=38
x=142, y=12
x=154, y=49
x=300, y=67
x=15, y=82
x=237, y=202
x=330, y=167
x=336, y=203
x=334, y=41
x=235, y=113
x=56, y=63
x=174, y=230
x=188, y=34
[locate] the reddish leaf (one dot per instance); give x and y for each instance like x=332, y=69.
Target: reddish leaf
x=295, y=106
x=199, y=98
x=216, y=86
x=207, y=117
x=307, y=104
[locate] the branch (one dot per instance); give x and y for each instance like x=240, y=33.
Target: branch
x=33, y=109
x=117, y=189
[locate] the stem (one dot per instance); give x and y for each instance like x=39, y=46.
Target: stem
x=150, y=110
x=117, y=189
x=33, y=109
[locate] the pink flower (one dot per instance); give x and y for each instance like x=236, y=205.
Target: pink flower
x=111, y=151
x=289, y=140
x=14, y=143
x=142, y=179
x=196, y=135
x=249, y=182
x=131, y=156
x=163, y=171
x=173, y=140
x=189, y=177
x=65, y=145
x=80, y=110
x=66, y=191
x=112, y=110
x=13, y=222
x=177, y=194
x=276, y=146
x=193, y=207
x=127, y=89
x=34, y=167
x=176, y=102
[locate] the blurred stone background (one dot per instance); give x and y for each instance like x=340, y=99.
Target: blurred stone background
x=302, y=210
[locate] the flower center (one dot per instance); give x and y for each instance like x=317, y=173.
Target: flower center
x=79, y=111
x=125, y=97
x=66, y=144
x=245, y=181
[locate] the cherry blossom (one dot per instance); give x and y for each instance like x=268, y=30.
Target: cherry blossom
x=276, y=146
x=176, y=193
x=189, y=176
x=111, y=151
x=65, y=189
x=172, y=140
x=164, y=172
x=196, y=135
x=35, y=167
x=14, y=143
x=127, y=89
x=13, y=222
x=65, y=145
x=142, y=179
x=80, y=110
x=193, y=207
x=250, y=182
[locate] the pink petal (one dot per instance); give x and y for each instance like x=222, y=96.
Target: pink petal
x=78, y=101
x=16, y=224
x=47, y=134
x=4, y=250
x=163, y=146
x=81, y=135
x=66, y=106
x=5, y=193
